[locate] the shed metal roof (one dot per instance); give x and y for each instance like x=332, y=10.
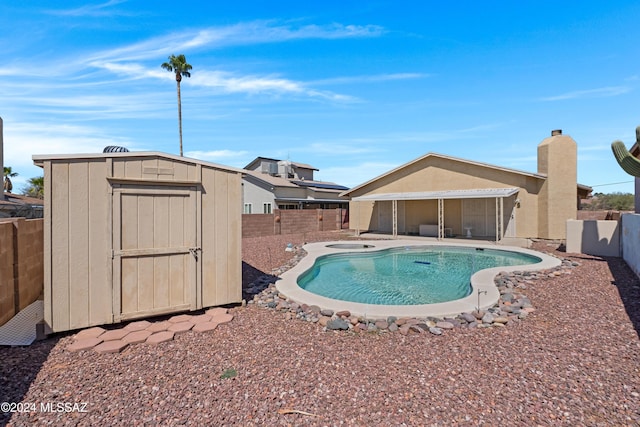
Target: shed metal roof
x=480, y=193
x=39, y=159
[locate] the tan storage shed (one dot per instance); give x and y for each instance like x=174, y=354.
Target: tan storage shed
x=137, y=234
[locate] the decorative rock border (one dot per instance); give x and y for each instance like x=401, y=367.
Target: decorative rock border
x=512, y=307
x=143, y=331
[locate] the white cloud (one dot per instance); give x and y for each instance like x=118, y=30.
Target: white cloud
x=96, y=10
x=22, y=140
x=220, y=156
x=354, y=174
x=590, y=93
x=370, y=79
x=330, y=147
x=256, y=32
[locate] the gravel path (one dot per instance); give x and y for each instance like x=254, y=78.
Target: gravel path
x=574, y=361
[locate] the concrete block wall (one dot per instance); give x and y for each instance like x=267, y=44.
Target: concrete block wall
x=299, y=221
x=30, y=265
x=600, y=238
x=21, y=265
x=258, y=225
x=7, y=281
x=294, y=221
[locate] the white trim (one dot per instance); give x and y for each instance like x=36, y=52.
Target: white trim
x=480, y=193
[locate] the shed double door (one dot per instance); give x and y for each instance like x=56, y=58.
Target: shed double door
x=155, y=251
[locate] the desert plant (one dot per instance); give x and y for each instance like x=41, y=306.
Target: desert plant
x=35, y=187
x=8, y=173
x=626, y=160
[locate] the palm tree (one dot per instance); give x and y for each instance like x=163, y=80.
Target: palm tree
x=8, y=174
x=35, y=187
x=178, y=64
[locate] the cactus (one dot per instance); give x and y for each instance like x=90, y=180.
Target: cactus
x=627, y=162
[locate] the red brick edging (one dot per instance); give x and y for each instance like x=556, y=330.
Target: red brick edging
x=143, y=331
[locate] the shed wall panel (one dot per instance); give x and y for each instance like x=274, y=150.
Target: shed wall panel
x=78, y=244
x=234, y=237
x=222, y=238
x=48, y=275
x=60, y=235
x=99, y=239
x=209, y=254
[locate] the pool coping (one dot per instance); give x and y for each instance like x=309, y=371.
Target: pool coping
x=483, y=287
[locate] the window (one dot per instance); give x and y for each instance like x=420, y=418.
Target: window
x=266, y=208
x=247, y=208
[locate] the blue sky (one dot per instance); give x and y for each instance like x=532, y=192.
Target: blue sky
x=352, y=88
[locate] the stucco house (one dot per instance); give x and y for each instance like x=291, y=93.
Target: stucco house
x=444, y=196
x=270, y=184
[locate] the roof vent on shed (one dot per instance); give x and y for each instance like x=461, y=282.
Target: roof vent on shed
x=115, y=149
x=556, y=132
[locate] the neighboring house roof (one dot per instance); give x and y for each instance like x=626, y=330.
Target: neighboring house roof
x=272, y=180
x=256, y=162
x=278, y=181
x=540, y=176
x=10, y=198
x=324, y=185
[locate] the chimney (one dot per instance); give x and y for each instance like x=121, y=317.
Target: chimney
x=557, y=160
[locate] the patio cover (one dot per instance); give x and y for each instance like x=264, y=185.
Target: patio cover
x=481, y=193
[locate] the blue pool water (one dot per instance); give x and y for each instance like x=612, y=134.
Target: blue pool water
x=404, y=276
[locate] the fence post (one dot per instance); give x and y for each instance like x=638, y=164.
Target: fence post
x=277, y=222
x=16, y=265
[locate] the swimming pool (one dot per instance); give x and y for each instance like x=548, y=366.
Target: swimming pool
x=481, y=292
x=405, y=276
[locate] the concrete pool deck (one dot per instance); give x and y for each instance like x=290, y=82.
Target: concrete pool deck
x=484, y=293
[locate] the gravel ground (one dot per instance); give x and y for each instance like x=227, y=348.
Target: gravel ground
x=574, y=361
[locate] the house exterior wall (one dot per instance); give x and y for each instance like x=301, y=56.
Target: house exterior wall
x=636, y=199
x=81, y=278
x=257, y=196
x=437, y=173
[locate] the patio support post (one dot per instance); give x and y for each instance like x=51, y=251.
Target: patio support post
x=440, y=219
x=394, y=208
x=497, y=221
x=501, y=217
